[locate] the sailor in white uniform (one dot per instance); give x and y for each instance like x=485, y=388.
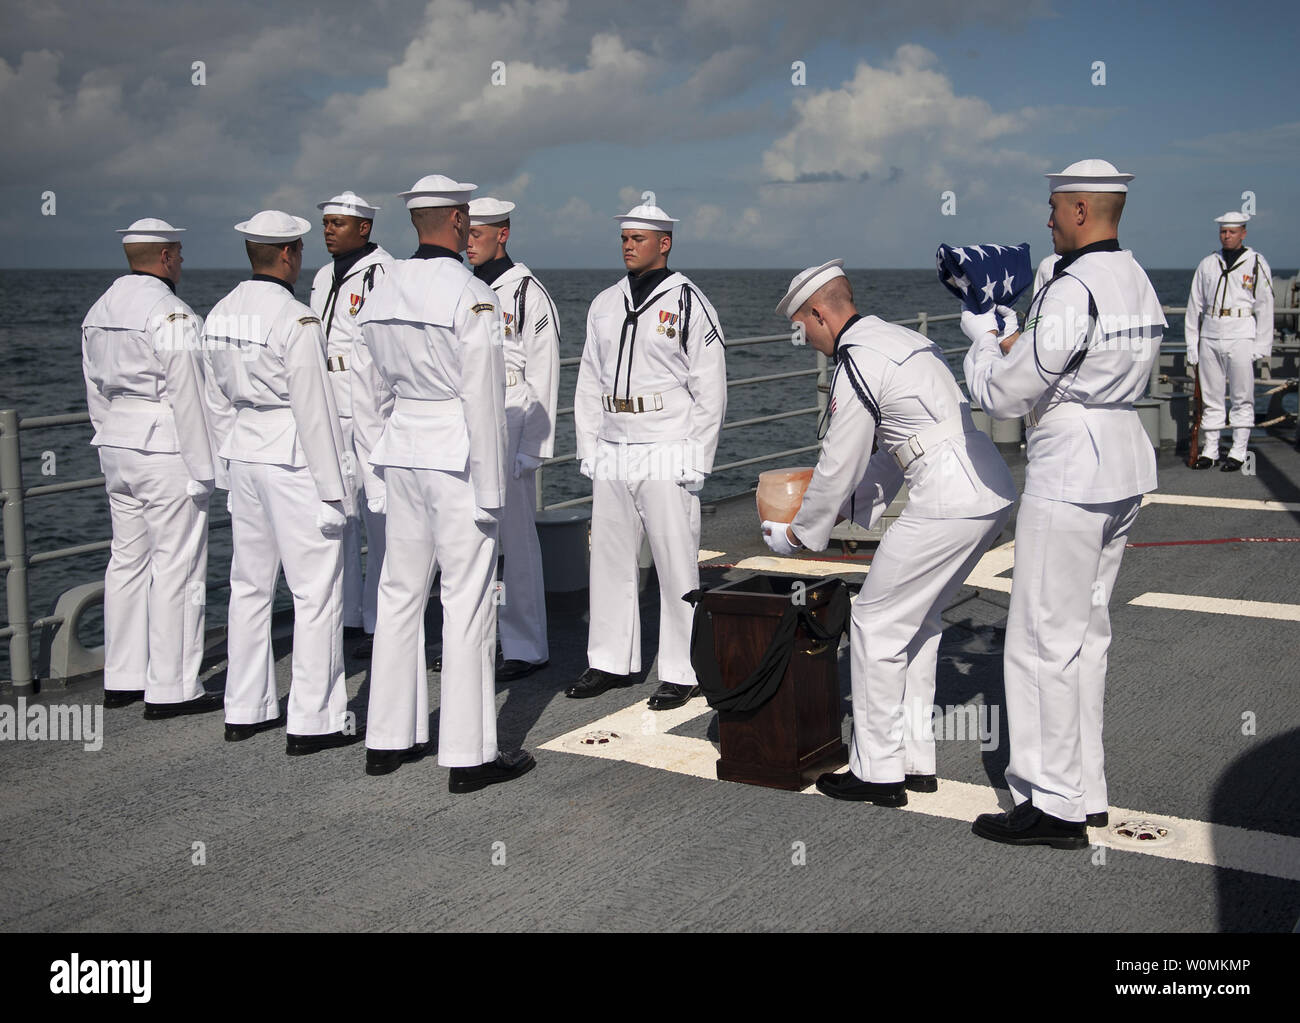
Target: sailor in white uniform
x=532, y=352
x=651, y=396
x=892, y=386
x=1229, y=327
x=431, y=344
x=1090, y=338
x=338, y=292
x=290, y=499
x=144, y=389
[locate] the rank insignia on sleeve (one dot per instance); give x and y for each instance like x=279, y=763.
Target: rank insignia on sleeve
x=307, y=321
x=482, y=307
x=177, y=316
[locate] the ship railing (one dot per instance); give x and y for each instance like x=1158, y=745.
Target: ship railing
x=21, y=627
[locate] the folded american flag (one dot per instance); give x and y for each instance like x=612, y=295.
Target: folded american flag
x=983, y=276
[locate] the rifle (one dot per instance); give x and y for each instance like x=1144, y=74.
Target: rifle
x=1194, y=444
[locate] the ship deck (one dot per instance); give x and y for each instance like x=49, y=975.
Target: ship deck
x=637, y=833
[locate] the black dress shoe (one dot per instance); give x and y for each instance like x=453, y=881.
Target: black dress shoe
x=1098, y=820
x=511, y=670
x=199, y=705
x=238, y=733
x=122, y=697
x=670, y=695
x=302, y=745
x=386, y=761
x=849, y=786
x=1028, y=825
x=1204, y=462
x=362, y=651
x=921, y=782
x=353, y=632
x=1231, y=464
x=505, y=767
x=593, y=682
x=436, y=665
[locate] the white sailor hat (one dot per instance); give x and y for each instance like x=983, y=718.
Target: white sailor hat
x=150, y=229
x=1089, y=176
x=349, y=204
x=805, y=284
x=437, y=190
x=273, y=227
x=652, y=218
x=1233, y=218
x=489, y=211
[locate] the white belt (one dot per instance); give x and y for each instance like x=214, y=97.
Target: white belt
x=513, y=379
x=639, y=403
x=335, y=364
x=427, y=406
x=919, y=443
x=130, y=404
x=1226, y=313
x=1069, y=410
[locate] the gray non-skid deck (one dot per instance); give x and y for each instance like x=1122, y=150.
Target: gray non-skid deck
x=108, y=840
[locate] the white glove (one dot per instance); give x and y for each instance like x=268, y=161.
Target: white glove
x=230, y=503
x=199, y=488
x=1011, y=322
x=587, y=469
x=486, y=516
x=1194, y=353
x=977, y=327
x=378, y=505
x=689, y=479
x=525, y=463
x=330, y=519
x=775, y=535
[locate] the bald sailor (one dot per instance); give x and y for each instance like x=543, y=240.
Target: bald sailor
x=532, y=351
x=1229, y=327
x=431, y=346
x=144, y=389
x=288, y=489
x=892, y=387
x=1091, y=336
x=648, y=410
x=338, y=292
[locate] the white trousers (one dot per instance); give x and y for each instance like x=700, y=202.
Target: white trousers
x=897, y=624
x=1227, y=364
x=431, y=524
x=523, y=605
x=360, y=588
x=622, y=509
x=1058, y=635
x=155, y=585
x=273, y=522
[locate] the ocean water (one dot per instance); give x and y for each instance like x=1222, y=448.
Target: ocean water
x=40, y=351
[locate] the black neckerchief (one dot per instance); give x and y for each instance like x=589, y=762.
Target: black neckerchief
x=835, y=348
x=347, y=260
x=166, y=280
x=274, y=280
x=643, y=284
x=1230, y=256
x=427, y=251
x=492, y=269
x=1105, y=245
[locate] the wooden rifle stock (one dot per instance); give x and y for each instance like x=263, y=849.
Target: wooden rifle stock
x=1194, y=443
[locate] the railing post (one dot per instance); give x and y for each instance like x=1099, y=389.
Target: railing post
x=923, y=324
x=537, y=488
x=15, y=540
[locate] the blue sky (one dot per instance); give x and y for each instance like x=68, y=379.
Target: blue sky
x=692, y=100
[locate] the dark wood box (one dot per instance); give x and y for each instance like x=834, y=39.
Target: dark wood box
x=795, y=736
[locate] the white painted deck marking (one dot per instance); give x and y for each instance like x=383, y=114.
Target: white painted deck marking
x=1219, y=606
x=644, y=740
x=1234, y=503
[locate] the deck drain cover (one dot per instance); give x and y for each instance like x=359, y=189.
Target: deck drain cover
x=597, y=738
x=1139, y=830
